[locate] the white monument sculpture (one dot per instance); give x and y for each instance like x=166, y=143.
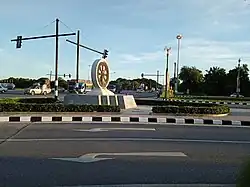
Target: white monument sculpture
x=100, y=95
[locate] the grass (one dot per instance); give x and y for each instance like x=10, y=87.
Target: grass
x=9, y=100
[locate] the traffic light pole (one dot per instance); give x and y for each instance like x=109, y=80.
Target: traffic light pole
x=157, y=75
x=77, y=56
x=56, y=36
x=105, y=53
x=56, y=60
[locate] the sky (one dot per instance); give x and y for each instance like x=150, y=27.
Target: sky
x=135, y=32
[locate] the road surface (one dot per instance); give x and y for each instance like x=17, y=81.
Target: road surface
x=67, y=154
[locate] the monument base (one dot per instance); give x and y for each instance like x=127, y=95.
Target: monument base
x=123, y=101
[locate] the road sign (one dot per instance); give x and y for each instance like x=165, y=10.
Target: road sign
x=114, y=129
x=92, y=157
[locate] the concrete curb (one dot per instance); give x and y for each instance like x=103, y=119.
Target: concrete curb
x=149, y=119
x=212, y=102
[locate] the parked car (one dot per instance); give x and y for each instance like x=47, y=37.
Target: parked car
x=3, y=89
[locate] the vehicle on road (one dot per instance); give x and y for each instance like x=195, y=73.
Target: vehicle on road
x=9, y=86
x=3, y=89
x=236, y=95
x=83, y=86
x=37, y=89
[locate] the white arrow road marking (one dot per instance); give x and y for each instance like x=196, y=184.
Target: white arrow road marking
x=91, y=157
x=114, y=129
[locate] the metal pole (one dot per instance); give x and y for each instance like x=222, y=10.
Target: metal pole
x=177, y=70
x=238, y=79
x=50, y=75
x=175, y=81
x=157, y=79
x=179, y=37
x=166, y=82
x=56, y=61
x=77, y=56
x=89, y=72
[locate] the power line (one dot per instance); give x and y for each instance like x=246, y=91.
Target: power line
x=66, y=26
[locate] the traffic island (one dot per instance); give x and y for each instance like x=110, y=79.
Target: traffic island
x=49, y=105
x=185, y=108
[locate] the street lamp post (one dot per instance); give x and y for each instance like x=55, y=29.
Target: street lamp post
x=166, y=82
x=238, y=80
x=178, y=37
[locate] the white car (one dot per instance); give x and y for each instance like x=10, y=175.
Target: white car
x=3, y=89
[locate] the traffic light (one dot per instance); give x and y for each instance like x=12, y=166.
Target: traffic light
x=142, y=75
x=105, y=53
x=69, y=75
x=64, y=75
x=19, y=42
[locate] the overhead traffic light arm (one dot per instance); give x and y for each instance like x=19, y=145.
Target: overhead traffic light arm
x=104, y=53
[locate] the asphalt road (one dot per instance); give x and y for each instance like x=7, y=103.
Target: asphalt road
x=32, y=154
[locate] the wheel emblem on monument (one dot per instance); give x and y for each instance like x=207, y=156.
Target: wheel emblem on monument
x=103, y=74
x=100, y=74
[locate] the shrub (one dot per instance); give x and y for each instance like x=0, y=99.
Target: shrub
x=49, y=105
x=171, y=103
x=232, y=99
x=179, y=107
x=220, y=109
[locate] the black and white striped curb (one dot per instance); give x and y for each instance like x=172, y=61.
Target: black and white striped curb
x=122, y=119
x=212, y=102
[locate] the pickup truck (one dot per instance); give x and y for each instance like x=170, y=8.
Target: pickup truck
x=3, y=89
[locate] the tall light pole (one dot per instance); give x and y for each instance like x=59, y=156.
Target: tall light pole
x=89, y=72
x=178, y=37
x=238, y=80
x=167, y=50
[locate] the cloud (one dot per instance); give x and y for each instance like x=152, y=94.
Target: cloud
x=204, y=53
x=140, y=58
x=199, y=52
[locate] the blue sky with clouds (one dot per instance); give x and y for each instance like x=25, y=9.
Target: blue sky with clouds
x=216, y=33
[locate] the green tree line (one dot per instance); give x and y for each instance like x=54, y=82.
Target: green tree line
x=215, y=82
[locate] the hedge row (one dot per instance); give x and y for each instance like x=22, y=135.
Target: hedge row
x=213, y=98
x=171, y=103
x=220, y=109
x=179, y=107
x=56, y=107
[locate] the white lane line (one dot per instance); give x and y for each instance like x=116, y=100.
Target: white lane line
x=129, y=139
x=156, y=185
x=114, y=129
x=92, y=157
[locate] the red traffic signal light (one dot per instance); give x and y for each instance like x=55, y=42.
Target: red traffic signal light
x=105, y=53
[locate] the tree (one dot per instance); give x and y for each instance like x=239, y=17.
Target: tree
x=215, y=81
x=244, y=80
x=62, y=83
x=192, y=79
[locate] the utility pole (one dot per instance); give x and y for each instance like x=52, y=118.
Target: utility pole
x=157, y=79
x=178, y=37
x=77, y=56
x=166, y=82
x=238, y=80
x=175, y=81
x=56, y=36
x=50, y=75
x=56, y=60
